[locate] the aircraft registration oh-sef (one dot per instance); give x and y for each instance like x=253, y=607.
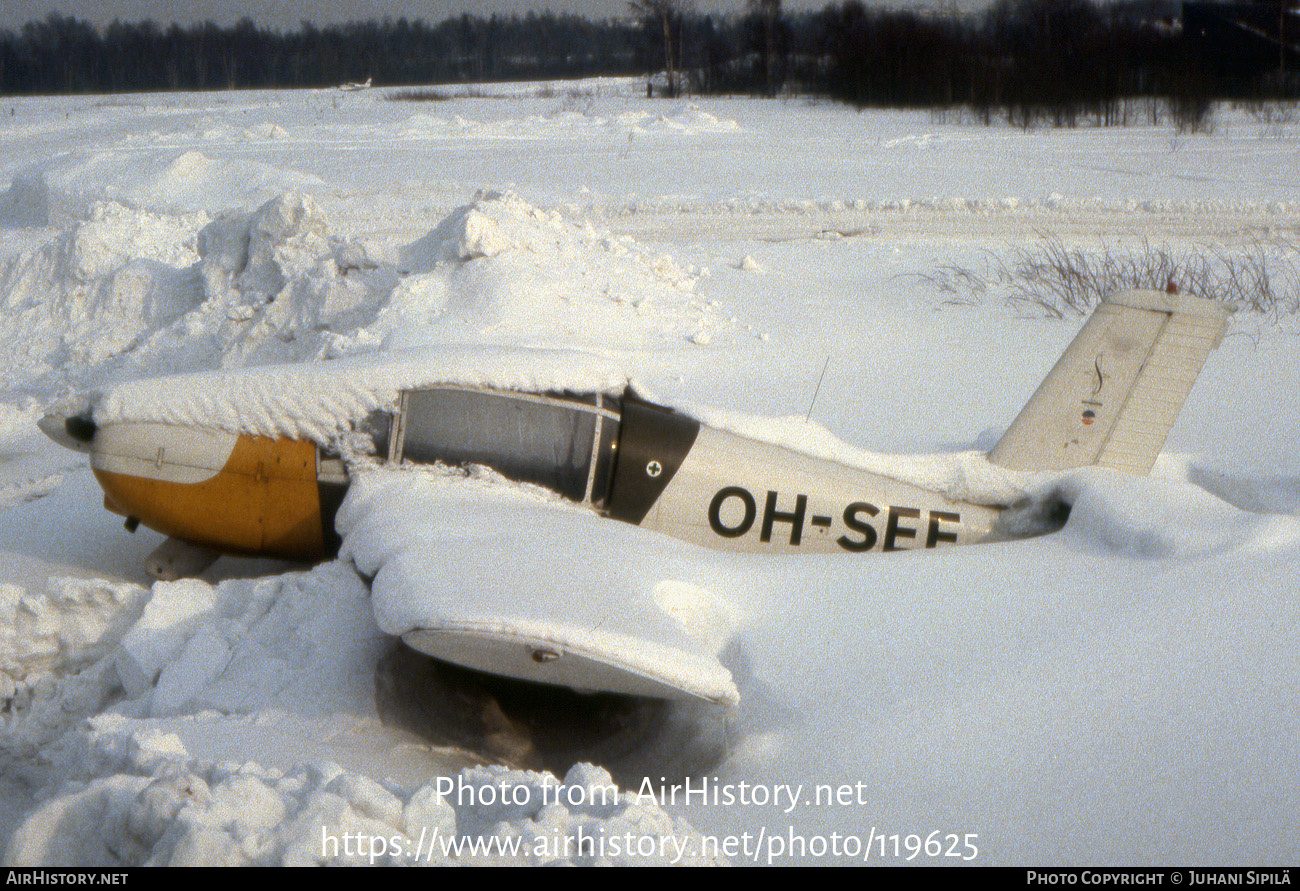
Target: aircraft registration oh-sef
x=1109, y=401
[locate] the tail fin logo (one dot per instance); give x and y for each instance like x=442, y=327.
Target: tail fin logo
x=1101, y=375
x=1089, y=415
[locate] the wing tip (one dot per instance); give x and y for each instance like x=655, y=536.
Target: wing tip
x=562, y=657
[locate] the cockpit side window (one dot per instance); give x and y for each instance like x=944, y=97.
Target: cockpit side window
x=548, y=441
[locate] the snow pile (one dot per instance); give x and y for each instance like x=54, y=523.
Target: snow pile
x=936, y=209
x=566, y=123
x=1164, y=516
x=687, y=119
x=277, y=283
x=67, y=187
x=303, y=641
x=67, y=626
x=156, y=808
x=128, y=294
x=56, y=648
x=216, y=131
x=503, y=269
x=94, y=292
x=296, y=654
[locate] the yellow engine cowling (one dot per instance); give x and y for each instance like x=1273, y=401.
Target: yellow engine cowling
x=238, y=494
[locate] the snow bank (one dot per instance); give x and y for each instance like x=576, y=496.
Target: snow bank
x=124, y=789
x=67, y=187
x=96, y=291
x=56, y=646
x=503, y=268
x=130, y=294
x=937, y=207
x=304, y=642
x=276, y=285
x=160, y=810
x=276, y=282
x=1165, y=516
x=685, y=120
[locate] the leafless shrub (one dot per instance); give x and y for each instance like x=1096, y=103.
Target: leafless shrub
x=430, y=94
x=959, y=284
x=549, y=91
x=417, y=95
x=1193, y=114
x=1056, y=280
x=580, y=93
x=1185, y=116
x=1272, y=111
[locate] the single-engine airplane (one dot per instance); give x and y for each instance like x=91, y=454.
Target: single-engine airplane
x=1110, y=401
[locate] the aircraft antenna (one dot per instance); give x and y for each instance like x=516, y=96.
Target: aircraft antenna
x=817, y=390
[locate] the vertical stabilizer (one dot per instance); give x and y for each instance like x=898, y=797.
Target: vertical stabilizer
x=1113, y=396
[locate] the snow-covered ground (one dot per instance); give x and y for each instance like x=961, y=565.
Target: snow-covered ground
x=1123, y=691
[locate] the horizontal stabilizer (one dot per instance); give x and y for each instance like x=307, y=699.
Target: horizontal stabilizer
x=1113, y=397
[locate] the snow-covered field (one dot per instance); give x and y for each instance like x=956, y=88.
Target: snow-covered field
x=1123, y=691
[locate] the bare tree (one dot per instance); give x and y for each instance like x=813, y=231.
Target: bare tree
x=664, y=15
x=768, y=14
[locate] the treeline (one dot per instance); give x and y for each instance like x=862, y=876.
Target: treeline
x=67, y=55
x=1055, y=62
x=1060, y=62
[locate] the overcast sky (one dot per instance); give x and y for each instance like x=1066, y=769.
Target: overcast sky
x=284, y=14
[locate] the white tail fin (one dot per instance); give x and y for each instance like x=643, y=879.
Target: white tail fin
x=1113, y=396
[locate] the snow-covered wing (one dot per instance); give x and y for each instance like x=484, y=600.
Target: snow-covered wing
x=501, y=578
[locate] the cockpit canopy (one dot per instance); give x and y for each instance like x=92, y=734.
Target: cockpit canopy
x=564, y=442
